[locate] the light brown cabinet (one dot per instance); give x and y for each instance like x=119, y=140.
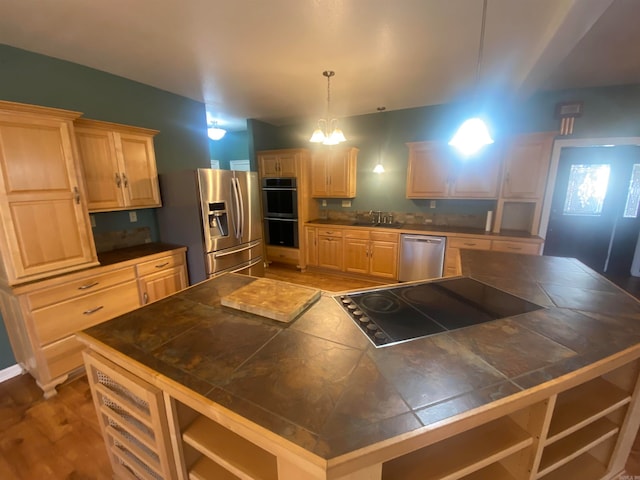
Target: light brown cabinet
x=525, y=172
x=434, y=172
x=161, y=277
x=371, y=253
x=333, y=172
x=119, y=165
x=278, y=163
x=311, y=246
x=330, y=249
x=42, y=317
x=45, y=224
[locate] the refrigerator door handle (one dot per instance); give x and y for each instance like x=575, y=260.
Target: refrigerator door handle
x=241, y=206
x=238, y=217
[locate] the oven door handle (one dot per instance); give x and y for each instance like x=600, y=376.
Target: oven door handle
x=281, y=219
x=274, y=189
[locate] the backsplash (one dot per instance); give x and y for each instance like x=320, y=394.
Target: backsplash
x=414, y=218
x=107, y=241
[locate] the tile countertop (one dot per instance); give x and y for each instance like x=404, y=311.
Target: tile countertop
x=320, y=384
x=430, y=229
x=135, y=252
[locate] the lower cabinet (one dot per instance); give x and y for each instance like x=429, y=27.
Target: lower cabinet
x=330, y=249
x=578, y=427
x=371, y=253
x=133, y=421
x=161, y=277
x=42, y=317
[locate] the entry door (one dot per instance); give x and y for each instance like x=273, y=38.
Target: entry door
x=594, y=211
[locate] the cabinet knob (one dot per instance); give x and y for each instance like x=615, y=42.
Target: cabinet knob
x=145, y=298
x=124, y=179
x=76, y=195
x=118, y=180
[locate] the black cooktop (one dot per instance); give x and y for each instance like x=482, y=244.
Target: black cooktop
x=394, y=314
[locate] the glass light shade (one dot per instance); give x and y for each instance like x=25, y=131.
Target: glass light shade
x=317, y=136
x=216, y=133
x=378, y=168
x=471, y=136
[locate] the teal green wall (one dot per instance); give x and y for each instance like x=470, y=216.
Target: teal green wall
x=233, y=146
x=182, y=142
x=608, y=112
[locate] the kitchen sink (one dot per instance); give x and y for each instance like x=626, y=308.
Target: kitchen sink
x=377, y=225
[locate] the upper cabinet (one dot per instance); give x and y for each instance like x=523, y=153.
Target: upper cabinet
x=45, y=224
x=526, y=164
x=119, y=165
x=279, y=163
x=333, y=172
x=435, y=172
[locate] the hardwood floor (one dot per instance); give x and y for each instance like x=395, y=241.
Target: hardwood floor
x=60, y=438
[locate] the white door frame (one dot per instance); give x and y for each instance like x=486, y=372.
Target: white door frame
x=558, y=145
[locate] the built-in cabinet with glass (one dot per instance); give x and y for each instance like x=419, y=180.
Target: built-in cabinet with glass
x=45, y=222
x=119, y=165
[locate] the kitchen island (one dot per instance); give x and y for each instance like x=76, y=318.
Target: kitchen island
x=187, y=388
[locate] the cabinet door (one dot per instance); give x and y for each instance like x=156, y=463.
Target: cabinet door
x=330, y=252
x=287, y=165
x=311, y=242
x=341, y=173
x=356, y=255
x=162, y=284
x=476, y=176
x=428, y=174
x=526, y=165
x=268, y=165
x=319, y=165
x=45, y=222
x=100, y=168
x=138, y=170
x=384, y=259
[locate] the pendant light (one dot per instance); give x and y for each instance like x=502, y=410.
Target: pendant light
x=379, y=168
x=327, y=131
x=473, y=134
x=215, y=132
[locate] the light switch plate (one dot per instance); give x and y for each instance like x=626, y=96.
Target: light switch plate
x=133, y=217
x=346, y=203
x=432, y=204
x=324, y=203
x=93, y=220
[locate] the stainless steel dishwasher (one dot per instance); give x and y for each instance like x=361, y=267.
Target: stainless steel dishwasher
x=421, y=256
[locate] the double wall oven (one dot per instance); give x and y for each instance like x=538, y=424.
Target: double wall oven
x=280, y=205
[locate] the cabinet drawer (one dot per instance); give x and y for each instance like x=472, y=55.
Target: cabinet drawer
x=159, y=264
x=62, y=319
x=330, y=232
x=384, y=236
x=472, y=243
x=362, y=234
x=63, y=356
x=516, y=247
x=82, y=286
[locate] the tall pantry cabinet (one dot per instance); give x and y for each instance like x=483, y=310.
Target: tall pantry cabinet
x=45, y=228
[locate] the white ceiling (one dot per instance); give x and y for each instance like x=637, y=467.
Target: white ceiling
x=264, y=59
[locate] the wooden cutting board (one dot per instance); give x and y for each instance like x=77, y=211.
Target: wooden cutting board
x=273, y=299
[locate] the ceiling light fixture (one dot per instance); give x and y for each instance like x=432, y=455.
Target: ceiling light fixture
x=473, y=134
x=327, y=131
x=379, y=168
x=215, y=132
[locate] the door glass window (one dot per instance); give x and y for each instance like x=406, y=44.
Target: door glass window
x=633, y=195
x=587, y=189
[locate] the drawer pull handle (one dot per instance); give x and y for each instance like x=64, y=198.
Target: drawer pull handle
x=89, y=285
x=145, y=298
x=93, y=310
x=514, y=248
x=470, y=244
x=162, y=265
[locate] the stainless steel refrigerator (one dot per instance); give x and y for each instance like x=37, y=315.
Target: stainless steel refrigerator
x=216, y=215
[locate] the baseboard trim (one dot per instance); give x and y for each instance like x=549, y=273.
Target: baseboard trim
x=10, y=372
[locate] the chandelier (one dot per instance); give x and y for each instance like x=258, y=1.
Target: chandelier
x=473, y=133
x=327, y=131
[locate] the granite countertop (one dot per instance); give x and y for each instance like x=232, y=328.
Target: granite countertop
x=431, y=229
x=320, y=384
x=132, y=253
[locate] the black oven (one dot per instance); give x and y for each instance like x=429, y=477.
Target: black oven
x=280, y=197
x=282, y=232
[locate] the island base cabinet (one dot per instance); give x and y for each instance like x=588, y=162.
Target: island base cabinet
x=133, y=421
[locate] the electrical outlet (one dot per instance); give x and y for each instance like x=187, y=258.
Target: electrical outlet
x=324, y=203
x=93, y=220
x=133, y=217
x=346, y=203
x=432, y=204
